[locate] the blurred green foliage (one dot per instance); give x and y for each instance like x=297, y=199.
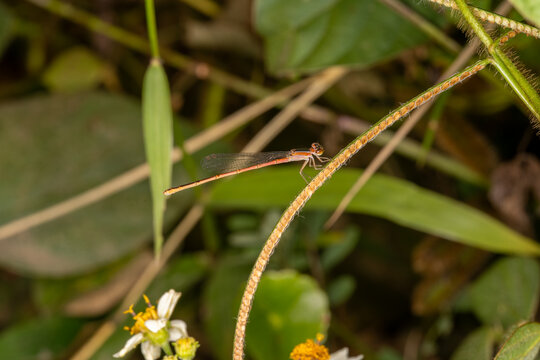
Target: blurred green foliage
x=70, y=121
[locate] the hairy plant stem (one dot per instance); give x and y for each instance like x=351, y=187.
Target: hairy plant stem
x=503, y=64
x=298, y=203
x=494, y=18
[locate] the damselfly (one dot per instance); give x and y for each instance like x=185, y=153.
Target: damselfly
x=232, y=164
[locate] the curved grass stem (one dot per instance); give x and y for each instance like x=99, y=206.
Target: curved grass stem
x=337, y=162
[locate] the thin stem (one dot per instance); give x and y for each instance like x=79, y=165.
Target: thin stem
x=412, y=150
x=173, y=58
x=152, y=28
x=400, y=135
x=93, y=23
x=494, y=18
x=502, y=63
x=407, y=148
x=337, y=162
x=320, y=84
x=476, y=26
x=166, y=348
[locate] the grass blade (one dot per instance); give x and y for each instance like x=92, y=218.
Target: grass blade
x=157, y=129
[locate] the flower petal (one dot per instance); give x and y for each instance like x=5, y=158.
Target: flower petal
x=150, y=351
x=177, y=330
x=130, y=345
x=343, y=354
x=166, y=304
x=155, y=325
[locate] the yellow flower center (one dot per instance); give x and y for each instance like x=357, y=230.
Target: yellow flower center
x=186, y=348
x=149, y=314
x=310, y=350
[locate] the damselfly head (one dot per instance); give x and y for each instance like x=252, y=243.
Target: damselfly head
x=317, y=149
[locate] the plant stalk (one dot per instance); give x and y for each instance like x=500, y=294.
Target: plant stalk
x=503, y=64
x=152, y=28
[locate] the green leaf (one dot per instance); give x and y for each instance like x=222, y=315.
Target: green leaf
x=221, y=301
x=523, y=344
x=57, y=147
x=383, y=196
x=529, y=9
x=39, y=338
x=74, y=70
x=288, y=309
x=157, y=129
x=507, y=292
x=478, y=345
x=309, y=35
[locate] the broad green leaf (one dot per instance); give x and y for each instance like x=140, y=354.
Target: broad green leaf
x=39, y=338
x=221, y=300
x=288, y=309
x=507, y=292
x=529, y=9
x=74, y=70
x=158, y=132
x=383, y=196
x=7, y=25
x=57, y=147
x=523, y=344
x=478, y=345
x=309, y=35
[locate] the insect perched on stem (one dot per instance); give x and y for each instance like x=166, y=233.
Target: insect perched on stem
x=232, y=164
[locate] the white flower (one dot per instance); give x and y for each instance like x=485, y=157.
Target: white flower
x=343, y=354
x=130, y=345
x=152, y=329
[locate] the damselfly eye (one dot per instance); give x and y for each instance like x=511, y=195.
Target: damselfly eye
x=317, y=148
